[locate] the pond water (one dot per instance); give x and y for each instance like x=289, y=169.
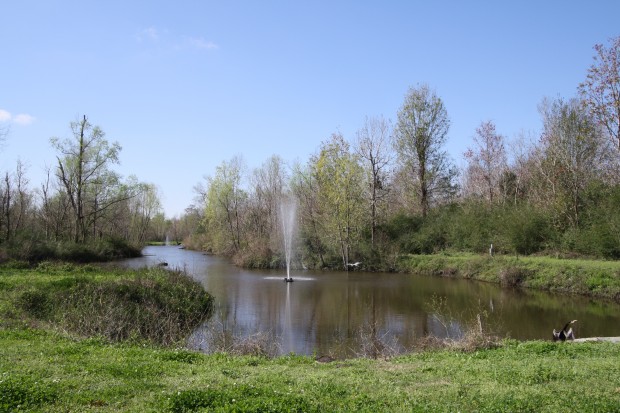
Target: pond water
x=334, y=312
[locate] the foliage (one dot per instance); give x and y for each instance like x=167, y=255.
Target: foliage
x=420, y=134
x=154, y=305
x=224, y=198
x=107, y=249
x=339, y=197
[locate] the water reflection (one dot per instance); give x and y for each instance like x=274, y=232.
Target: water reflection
x=326, y=312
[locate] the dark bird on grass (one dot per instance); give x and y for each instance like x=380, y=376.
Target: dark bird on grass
x=566, y=333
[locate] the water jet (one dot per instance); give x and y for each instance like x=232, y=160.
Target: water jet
x=288, y=210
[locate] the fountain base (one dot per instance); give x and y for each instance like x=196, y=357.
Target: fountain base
x=289, y=279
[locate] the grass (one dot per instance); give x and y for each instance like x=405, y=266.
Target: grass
x=593, y=278
x=153, y=305
x=47, y=371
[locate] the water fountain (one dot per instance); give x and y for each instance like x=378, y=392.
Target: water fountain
x=288, y=211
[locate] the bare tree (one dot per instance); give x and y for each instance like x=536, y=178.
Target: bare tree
x=601, y=89
x=571, y=154
x=373, y=146
x=420, y=134
x=268, y=184
x=487, y=162
x=16, y=202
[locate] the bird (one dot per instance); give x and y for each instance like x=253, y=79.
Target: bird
x=565, y=333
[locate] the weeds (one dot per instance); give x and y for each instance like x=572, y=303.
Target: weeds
x=513, y=276
x=158, y=306
x=474, y=334
x=216, y=338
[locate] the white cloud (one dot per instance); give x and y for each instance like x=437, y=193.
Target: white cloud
x=5, y=116
x=200, y=43
x=166, y=39
x=150, y=33
x=23, y=119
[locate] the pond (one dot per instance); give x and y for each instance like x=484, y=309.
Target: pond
x=325, y=312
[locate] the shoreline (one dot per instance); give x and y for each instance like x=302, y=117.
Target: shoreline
x=592, y=278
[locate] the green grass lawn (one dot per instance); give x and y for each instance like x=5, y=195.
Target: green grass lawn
x=45, y=371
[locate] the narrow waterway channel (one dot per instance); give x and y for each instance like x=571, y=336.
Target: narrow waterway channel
x=334, y=312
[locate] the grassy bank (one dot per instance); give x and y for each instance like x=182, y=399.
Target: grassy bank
x=593, y=278
x=45, y=371
x=149, y=305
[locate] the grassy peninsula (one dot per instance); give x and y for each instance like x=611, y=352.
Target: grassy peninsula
x=594, y=278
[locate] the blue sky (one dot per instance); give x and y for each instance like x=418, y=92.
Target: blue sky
x=185, y=85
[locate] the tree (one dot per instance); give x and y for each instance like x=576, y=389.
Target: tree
x=487, y=163
x=570, y=156
x=224, y=200
x=143, y=207
x=16, y=203
x=83, y=172
x=268, y=182
x=305, y=187
x=420, y=134
x=601, y=89
x=373, y=147
x=339, y=178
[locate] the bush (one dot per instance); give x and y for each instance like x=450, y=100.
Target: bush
x=36, y=303
x=526, y=230
x=158, y=306
x=34, y=251
x=512, y=276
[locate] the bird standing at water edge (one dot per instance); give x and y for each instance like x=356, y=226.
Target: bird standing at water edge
x=566, y=333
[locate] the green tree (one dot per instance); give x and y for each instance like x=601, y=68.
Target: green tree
x=143, y=207
x=420, y=134
x=224, y=199
x=339, y=177
x=83, y=171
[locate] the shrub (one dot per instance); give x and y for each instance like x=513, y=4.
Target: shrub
x=36, y=303
x=526, y=230
x=512, y=276
x=159, y=306
x=162, y=310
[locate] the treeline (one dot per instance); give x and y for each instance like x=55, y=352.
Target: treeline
x=84, y=210
x=388, y=190
x=393, y=189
